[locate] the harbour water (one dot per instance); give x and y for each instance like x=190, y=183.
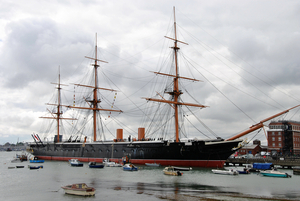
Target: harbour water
x=149, y=183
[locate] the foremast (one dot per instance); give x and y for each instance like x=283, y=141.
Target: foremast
x=174, y=103
x=94, y=104
x=58, y=115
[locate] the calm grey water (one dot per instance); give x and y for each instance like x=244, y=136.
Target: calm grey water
x=146, y=184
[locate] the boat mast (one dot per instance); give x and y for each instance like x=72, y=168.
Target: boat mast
x=176, y=91
x=58, y=105
x=58, y=115
x=176, y=87
x=95, y=102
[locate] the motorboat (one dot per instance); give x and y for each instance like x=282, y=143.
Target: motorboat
x=225, y=172
x=35, y=167
x=171, y=171
x=274, y=173
x=129, y=167
x=75, y=163
x=79, y=189
x=95, y=165
x=36, y=160
x=108, y=163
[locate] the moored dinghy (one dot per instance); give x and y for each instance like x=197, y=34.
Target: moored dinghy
x=108, y=163
x=171, y=171
x=75, y=163
x=95, y=165
x=183, y=168
x=79, y=189
x=244, y=171
x=152, y=164
x=35, y=167
x=129, y=167
x=225, y=172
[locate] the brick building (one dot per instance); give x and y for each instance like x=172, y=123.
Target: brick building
x=284, y=137
x=253, y=149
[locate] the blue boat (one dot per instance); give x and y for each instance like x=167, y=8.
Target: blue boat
x=95, y=165
x=129, y=167
x=244, y=171
x=36, y=160
x=35, y=167
x=274, y=173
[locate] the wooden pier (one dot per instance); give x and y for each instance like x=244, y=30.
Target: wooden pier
x=283, y=162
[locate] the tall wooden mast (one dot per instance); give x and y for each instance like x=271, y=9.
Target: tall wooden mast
x=58, y=115
x=176, y=87
x=95, y=102
x=176, y=91
x=58, y=105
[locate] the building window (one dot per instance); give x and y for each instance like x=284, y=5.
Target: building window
x=279, y=144
x=279, y=138
x=273, y=144
x=273, y=133
x=273, y=138
x=279, y=133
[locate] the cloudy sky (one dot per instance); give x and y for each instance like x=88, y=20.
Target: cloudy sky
x=245, y=52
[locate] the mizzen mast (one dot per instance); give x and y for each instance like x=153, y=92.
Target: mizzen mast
x=176, y=91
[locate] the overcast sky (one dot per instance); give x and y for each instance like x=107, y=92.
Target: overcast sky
x=252, y=47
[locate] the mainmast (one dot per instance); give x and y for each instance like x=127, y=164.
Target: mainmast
x=176, y=91
x=95, y=102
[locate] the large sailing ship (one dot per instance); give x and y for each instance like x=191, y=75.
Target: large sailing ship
x=140, y=150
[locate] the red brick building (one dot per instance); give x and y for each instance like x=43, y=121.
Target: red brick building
x=253, y=149
x=284, y=137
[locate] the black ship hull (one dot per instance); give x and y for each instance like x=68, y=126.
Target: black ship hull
x=191, y=154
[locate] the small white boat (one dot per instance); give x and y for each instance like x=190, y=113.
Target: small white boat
x=152, y=164
x=108, y=163
x=129, y=167
x=79, y=189
x=183, y=168
x=274, y=173
x=225, y=172
x=75, y=163
x=171, y=171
